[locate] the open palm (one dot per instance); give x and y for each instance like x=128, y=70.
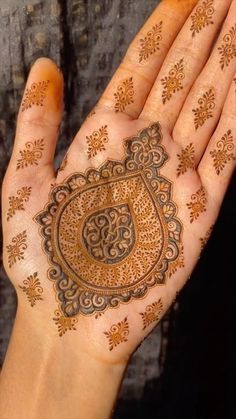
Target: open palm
x=100, y=249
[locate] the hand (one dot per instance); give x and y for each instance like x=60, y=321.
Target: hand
x=98, y=251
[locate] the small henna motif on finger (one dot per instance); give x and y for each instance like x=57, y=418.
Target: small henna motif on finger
x=205, y=110
x=228, y=49
x=151, y=42
x=186, y=159
x=173, y=82
x=202, y=16
x=197, y=205
x=35, y=95
x=223, y=153
x=124, y=95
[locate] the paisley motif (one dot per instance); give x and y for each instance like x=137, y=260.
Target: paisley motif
x=112, y=233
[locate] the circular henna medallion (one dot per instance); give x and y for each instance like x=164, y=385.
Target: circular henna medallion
x=111, y=234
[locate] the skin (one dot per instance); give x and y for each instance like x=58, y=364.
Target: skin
x=77, y=372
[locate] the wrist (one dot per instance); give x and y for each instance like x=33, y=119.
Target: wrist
x=63, y=375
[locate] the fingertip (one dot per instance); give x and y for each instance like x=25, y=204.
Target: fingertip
x=43, y=96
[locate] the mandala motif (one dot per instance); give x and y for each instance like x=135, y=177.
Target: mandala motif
x=223, y=152
x=96, y=142
x=202, y=17
x=204, y=111
x=228, y=49
x=35, y=95
x=31, y=154
x=152, y=313
x=32, y=288
x=111, y=234
x=150, y=44
x=173, y=82
x=124, y=95
x=118, y=333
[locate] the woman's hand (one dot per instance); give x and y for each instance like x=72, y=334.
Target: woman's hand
x=98, y=251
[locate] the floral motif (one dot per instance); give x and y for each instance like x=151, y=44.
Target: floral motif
x=16, y=249
x=198, y=204
x=118, y=333
x=31, y=155
x=124, y=95
x=35, y=95
x=202, y=16
x=151, y=42
x=205, y=239
x=222, y=154
x=204, y=111
x=228, y=49
x=178, y=263
x=16, y=203
x=32, y=288
x=173, y=82
x=187, y=159
x=152, y=313
x=96, y=142
x=64, y=323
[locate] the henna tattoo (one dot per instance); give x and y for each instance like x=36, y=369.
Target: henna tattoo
x=178, y=263
x=204, y=112
x=124, y=95
x=111, y=233
x=198, y=204
x=92, y=113
x=187, y=159
x=35, y=95
x=202, y=17
x=64, y=323
x=31, y=155
x=173, y=82
x=16, y=203
x=222, y=153
x=118, y=333
x=64, y=163
x=32, y=288
x=205, y=239
x=17, y=248
x=151, y=42
x=152, y=313
x=228, y=49
x=96, y=142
